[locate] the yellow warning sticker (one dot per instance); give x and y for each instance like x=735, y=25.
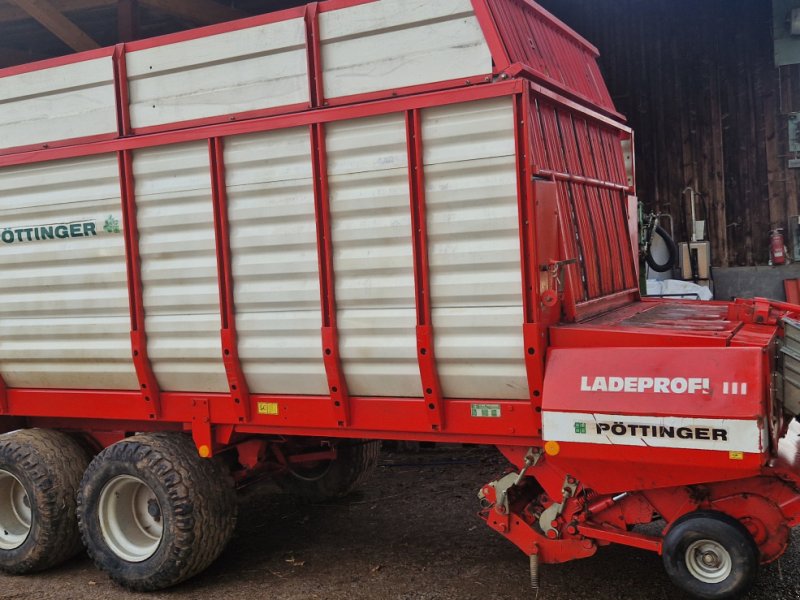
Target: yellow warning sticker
x=736, y=455
x=268, y=408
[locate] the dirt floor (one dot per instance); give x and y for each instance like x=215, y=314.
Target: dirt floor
x=410, y=534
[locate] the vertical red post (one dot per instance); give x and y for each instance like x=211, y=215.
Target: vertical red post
x=431, y=388
x=230, y=347
x=337, y=385
x=500, y=57
x=148, y=385
x=534, y=334
x=121, y=91
x=314, y=55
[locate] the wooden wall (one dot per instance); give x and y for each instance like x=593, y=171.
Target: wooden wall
x=699, y=86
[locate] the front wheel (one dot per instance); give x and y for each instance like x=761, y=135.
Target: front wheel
x=152, y=513
x=710, y=555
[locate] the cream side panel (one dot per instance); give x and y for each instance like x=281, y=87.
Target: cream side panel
x=179, y=267
x=64, y=316
x=275, y=267
x=59, y=103
x=250, y=69
x=474, y=252
x=373, y=255
x=396, y=43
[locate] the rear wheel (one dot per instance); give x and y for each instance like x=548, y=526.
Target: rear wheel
x=152, y=513
x=323, y=480
x=710, y=555
x=40, y=471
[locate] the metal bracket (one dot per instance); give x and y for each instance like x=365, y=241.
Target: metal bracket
x=552, y=512
x=502, y=485
x=201, y=427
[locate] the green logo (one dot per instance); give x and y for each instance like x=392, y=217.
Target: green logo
x=111, y=225
x=580, y=427
x=486, y=411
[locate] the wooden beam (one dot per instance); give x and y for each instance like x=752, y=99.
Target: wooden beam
x=128, y=20
x=203, y=12
x=54, y=21
x=10, y=12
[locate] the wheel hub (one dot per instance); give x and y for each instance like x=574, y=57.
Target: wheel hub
x=130, y=518
x=708, y=561
x=15, y=512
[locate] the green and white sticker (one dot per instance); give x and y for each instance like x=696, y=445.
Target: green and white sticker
x=486, y=411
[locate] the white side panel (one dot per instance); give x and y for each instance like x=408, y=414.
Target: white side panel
x=373, y=255
x=474, y=251
x=64, y=316
x=389, y=44
x=179, y=267
x=59, y=103
x=250, y=69
x=275, y=266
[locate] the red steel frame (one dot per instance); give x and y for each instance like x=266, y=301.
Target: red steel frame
x=148, y=384
x=337, y=386
x=426, y=352
x=309, y=13
x=230, y=347
x=214, y=418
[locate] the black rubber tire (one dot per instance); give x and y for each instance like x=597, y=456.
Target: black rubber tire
x=672, y=250
x=355, y=462
x=724, y=530
x=198, y=508
x=49, y=465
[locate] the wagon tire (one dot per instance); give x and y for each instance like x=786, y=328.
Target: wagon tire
x=355, y=461
x=152, y=513
x=40, y=472
x=710, y=556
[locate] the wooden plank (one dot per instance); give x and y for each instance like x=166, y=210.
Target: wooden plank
x=54, y=21
x=202, y=12
x=708, y=109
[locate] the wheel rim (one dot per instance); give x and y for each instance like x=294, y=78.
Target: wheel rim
x=130, y=518
x=708, y=561
x=15, y=512
x=312, y=473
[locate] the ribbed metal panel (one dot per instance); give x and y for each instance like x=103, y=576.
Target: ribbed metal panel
x=473, y=229
x=275, y=266
x=593, y=218
x=59, y=103
x=394, y=43
x=239, y=71
x=373, y=255
x=64, y=318
x=179, y=267
x=535, y=38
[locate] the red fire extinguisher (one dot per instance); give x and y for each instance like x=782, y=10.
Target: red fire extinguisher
x=777, y=247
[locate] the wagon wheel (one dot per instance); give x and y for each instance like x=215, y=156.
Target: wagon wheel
x=710, y=555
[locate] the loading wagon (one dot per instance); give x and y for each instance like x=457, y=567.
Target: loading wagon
x=256, y=249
